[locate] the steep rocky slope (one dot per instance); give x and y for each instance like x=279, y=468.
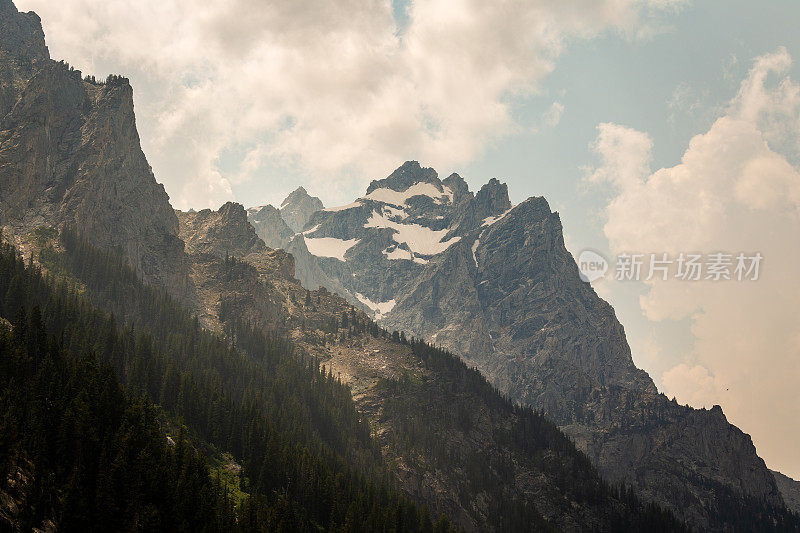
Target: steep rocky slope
x=276, y=233
x=238, y=278
x=298, y=207
x=790, y=489
x=495, y=284
x=70, y=154
x=232, y=270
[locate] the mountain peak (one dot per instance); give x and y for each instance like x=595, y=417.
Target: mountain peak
x=457, y=185
x=233, y=211
x=21, y=34
x=298, y=195
x=493, y=197
x=298, y=207
x=221, y=232
x=405, y=176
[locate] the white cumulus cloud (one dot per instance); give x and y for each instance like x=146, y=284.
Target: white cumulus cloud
x=736, y=189
x=332, y=90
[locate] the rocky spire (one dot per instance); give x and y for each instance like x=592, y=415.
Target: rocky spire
x=298, y=207
x=459, y=187
x=492, y=199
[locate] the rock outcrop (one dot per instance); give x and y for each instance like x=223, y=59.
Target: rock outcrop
x=70, y=154
x=232, y=271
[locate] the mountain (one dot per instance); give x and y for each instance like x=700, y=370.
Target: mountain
x=331, y=421
x=298, y=207
x=193, y=312
x=495, y=284
x=379, y=368
x=790, y=489
x=276, y=233
x=70, y=154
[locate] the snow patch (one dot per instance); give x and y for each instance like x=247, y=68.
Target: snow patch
x=488, y=221
x=419, y=239
x=390, y=196
x=330, y=247
x=312, y=230
x=380, y=309
x=475, y=247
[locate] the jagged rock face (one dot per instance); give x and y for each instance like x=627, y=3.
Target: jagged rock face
x=408, y=174
x=221, y=233
x=684, y=458
x=227, y=233
x=21, y=45
x=790, y=490
x=21, y=35
x=233, y=272
x=510, y=288
x=70, y=154
x=298, y=207
x=270, y=226
x=497, y=286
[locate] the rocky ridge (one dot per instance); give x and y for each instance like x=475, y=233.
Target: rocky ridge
x=495, y=284
x=790, y=489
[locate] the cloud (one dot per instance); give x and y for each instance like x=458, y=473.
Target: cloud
x=736, y=189
x=552, y=116
x=624, y=153
x=693, y=384
x=334, y=90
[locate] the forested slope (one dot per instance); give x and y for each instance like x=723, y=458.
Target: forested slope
x=306, y=455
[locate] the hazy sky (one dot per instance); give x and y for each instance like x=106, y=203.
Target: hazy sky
x=651, y=126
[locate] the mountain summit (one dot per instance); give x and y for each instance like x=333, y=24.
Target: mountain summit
x=495, y=284
x=298, y=207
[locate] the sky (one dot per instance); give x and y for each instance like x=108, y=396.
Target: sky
x=651, y=126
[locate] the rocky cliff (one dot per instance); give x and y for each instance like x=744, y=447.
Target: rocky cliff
x=70, y=154
x=495, y=284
